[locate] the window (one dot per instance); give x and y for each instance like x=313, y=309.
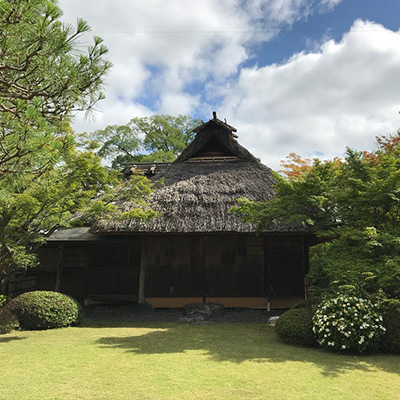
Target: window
x=75, y=258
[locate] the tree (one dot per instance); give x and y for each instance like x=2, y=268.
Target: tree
x=155, y=138
x=44, y=79
x=76, y=191
x=44, y=203
x=295, y=166
x=355, y=203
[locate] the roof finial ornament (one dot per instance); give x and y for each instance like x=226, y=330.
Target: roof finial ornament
x=214, y=115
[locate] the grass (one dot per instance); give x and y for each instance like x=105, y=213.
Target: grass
x=176, y=361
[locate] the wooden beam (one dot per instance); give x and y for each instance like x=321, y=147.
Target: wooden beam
x=59, y=269
x=142, y=272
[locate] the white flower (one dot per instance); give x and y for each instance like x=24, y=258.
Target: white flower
x=343, y=346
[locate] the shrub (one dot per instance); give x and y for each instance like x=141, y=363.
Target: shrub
x=295, y=326
x=348, y=322
x=8, y=321
x=390, y=342
x=309, y=303
x=45, y=310
x=3, y=300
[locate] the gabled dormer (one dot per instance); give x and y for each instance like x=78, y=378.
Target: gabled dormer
x=215, y=141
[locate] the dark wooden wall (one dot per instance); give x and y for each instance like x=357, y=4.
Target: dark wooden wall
x=225, y=265
x=286, y=264
x=113, y=268
x=105, y=268
x=182, y=266
x=73, y=273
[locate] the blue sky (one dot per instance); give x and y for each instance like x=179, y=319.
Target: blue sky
x=331, y=24
x=304, y=76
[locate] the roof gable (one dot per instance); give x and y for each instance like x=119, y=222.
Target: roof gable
x=215, y=140
x=214, y=148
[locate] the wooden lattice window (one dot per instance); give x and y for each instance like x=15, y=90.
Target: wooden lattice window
x=75, y=257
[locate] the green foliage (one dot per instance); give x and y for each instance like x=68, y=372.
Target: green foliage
x=36, y=206
x=3, y=300
x=348, y=322
x=45, y=310
x=355, y=205
x=309, y=303
x=390, y=342
x=8, y=321
x=131, y=196
x=295, y=326
x=155, y=138
x=45, y=76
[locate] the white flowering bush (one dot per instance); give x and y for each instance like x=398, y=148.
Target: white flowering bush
x=348, y=322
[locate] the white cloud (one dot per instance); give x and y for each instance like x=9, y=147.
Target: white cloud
x=328, y=5
x=181, y=56
x=344, y=95
x=160, y=48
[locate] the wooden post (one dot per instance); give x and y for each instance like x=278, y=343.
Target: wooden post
x=59, y=269
x=142, y=272
x=306, y=264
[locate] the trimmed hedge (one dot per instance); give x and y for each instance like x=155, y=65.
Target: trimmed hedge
x=8, y=321
x=390, y=341
x=295, y=326
x=45, y=310
x=309, y=303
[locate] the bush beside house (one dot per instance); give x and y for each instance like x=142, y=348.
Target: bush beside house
x=343, y=322
x=295, y=326
x=348, y=322
x=41, y=310
x=390, y=342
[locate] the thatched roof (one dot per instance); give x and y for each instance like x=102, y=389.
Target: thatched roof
x=201, y=186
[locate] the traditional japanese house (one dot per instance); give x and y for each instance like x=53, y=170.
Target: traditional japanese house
x=196, y=250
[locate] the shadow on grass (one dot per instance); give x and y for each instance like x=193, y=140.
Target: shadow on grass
x=241, y=342
x=10, y=339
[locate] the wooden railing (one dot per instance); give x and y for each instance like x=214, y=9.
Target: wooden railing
x=17, y=287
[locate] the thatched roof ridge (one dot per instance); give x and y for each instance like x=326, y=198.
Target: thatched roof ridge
x=198, y=193
x=217, y=121
x=213, y=130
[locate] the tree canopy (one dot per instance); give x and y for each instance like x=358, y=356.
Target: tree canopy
x=155, y=138
x=355, y=203
x=45, y=77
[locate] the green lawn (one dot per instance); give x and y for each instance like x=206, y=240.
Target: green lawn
x=177, y=361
